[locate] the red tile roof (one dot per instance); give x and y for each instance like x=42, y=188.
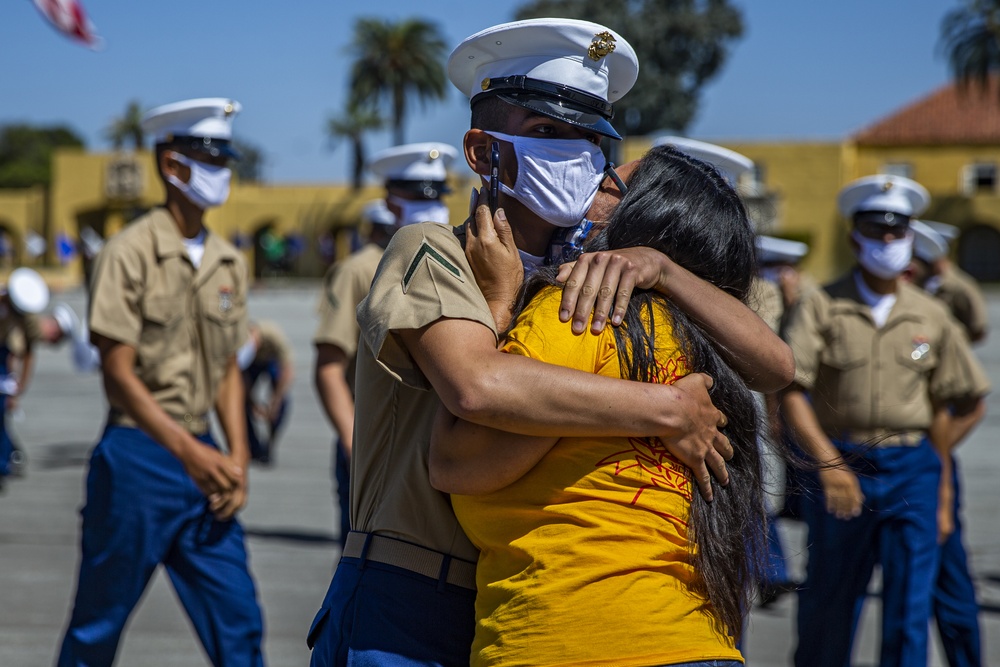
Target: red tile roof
x=950, y=115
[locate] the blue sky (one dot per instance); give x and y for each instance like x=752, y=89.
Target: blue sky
x=817, y=69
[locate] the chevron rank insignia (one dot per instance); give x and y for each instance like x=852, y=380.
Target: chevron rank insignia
x=426, y=253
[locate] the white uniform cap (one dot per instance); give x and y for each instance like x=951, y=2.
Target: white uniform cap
x=928, y=245
x=549, y=55
x=729, y=163
x=883, y=193
x=66, y=318
x=422, y=168
x=949, y=232
x=772, y=250
x=207, y=118
x=27, y=291
x=377, y=213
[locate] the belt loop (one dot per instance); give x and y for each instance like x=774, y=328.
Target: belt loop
x=364, y=550
x=443, y=573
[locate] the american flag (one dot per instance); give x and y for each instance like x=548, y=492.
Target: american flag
x=69, y=18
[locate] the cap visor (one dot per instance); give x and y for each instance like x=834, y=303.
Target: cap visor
x=561, y=111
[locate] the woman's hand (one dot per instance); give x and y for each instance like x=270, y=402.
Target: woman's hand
x=596, y=281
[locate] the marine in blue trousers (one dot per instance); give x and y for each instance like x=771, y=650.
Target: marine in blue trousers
x=168, y=313
x=881, y=363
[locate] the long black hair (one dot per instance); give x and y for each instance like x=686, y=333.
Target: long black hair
x=685, y=209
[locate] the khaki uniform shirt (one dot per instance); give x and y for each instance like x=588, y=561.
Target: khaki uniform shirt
x=862, y=377
x=424, y=277
x=19, y=332
x=961, y=294
x=184, y=323
x=345, y=285
x=766, y=300
x=274, y=345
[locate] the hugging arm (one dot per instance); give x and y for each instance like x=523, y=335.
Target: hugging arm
x=486, y=387
x=602, y=283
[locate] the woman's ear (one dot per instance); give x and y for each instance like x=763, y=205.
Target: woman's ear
x=476, y=145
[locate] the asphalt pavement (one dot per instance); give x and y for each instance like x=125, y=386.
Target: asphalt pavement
x=291, y=519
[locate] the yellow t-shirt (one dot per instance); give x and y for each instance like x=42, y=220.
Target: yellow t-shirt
x=585, y=559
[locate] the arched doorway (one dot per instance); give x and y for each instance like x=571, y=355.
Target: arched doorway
x=979, y=253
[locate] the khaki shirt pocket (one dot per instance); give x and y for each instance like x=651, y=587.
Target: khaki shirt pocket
x=913, y=368
x=221, y=327
x=161, y=325
x=845, y=351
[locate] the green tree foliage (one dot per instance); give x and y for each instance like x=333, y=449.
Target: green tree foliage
x=250, y=167
x=393, y=62
x=681, y=45
x=352, y=126
x=26, y=153
x=970, y=39
x=127, y=127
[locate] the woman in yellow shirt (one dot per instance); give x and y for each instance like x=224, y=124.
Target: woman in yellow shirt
x=595, y=551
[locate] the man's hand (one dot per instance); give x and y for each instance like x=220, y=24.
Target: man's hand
x=701, y=447
x=842, y=492
x=495, y=262
x=225, y=505
x=212, y=471
x=597, y=281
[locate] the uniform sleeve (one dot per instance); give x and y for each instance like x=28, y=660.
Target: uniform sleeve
x=971, y=308
x=959, y=374
x=423, y=277
x=338, y=319
x=32, y=330
x=242, y=289
x=539, y=334
x=115, y=289
x=804, y=335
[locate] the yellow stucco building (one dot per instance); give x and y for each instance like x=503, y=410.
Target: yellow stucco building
x=949, y=141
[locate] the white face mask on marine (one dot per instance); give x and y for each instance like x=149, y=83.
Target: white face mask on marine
x=208, y=185
x=557, y=179
x=885, y=260
x=419, y=210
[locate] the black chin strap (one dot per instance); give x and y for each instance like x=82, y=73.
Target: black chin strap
x=609, y=170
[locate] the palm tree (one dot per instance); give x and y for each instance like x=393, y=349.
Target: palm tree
x=970, y=38
x=352, y=126
x=394, y=61
x=127, y=127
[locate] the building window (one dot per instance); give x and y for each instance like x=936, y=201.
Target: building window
x=904, y=169
x=980, y=177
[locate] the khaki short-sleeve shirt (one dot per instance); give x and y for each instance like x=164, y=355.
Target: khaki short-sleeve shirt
x=184, y=323
x=961, y=294
x=864, y=377
x=19, y=332
x=423, y=277
x=345, y=285
x=767, y=302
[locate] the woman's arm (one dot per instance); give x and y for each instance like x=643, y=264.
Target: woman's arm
x=596, y=281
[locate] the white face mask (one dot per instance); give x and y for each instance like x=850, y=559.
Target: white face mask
x=885, y=260
x=208, y=185
x=557, y=179
x=420, y=210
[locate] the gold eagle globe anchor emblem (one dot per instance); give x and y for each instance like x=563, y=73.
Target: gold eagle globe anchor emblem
x=602, y=45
